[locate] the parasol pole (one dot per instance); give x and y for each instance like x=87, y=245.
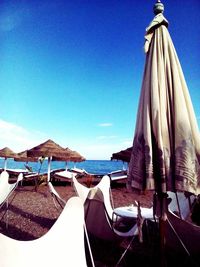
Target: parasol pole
x=49, y=169
x=5, y=163
x=161, y=192
x=123, y=167
x=66, y=165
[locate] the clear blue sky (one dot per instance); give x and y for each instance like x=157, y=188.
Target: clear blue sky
x=72, y=70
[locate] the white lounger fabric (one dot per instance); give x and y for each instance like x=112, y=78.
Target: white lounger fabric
x=5, y=187
x=103, y=185
x=61, y=246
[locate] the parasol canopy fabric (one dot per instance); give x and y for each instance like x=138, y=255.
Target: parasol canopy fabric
x=166, y=144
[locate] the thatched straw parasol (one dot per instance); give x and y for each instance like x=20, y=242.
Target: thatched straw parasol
x=23, y=157
x=64, y=157
x=7, y=153
x=73, y=156
x=48, y=149
x=76, y=157
x=123, y=155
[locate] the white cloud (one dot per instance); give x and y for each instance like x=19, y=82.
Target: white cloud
x=18, y=138
x=105, y=124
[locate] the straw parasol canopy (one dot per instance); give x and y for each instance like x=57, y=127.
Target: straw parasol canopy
x=7, y=153
x=76, y=157
x=73, y=156
x=123, y=155
x=66, y=157
x=166, y=147
x=22, y=157
x=48, y=149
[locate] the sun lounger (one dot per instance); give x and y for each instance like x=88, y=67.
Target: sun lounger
x=79, y=171
x=65, y=175
x=16, y=171
x=35, y=175
x=31, y=175
x=118, y=175
x=63, y=245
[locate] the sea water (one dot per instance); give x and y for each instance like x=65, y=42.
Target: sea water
x=100, y=167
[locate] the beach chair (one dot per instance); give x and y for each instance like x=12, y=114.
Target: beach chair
x=99, y=216
x=63, y=245
x=181, y=203
x=119, y=175
x=58, y=199
x=6, y=189
x=182, y=238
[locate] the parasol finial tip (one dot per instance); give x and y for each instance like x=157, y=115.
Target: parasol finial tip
x=158, y=7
